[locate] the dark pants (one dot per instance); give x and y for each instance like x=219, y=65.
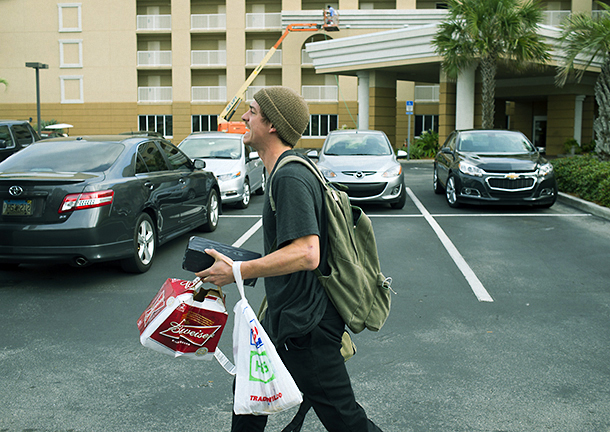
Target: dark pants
x=317, y=366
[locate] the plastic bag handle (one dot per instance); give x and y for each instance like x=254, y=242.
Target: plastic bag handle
x=239, y=281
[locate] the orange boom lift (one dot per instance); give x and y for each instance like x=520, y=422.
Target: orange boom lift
x=224, y=120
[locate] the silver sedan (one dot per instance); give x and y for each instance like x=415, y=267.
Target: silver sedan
x=364, y=162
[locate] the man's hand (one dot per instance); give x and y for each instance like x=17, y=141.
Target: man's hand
x=220, y=273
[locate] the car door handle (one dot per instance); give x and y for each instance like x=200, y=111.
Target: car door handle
x=181, y=180
x=149, y=185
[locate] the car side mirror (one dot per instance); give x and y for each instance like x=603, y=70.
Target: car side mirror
x=2, y=144
x=400, y=154
x=541, y=150
x=199, y=164
x=313, y=154
x=253, y=155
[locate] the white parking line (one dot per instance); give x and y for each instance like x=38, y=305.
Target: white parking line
x=240, y=241
x=472, y=279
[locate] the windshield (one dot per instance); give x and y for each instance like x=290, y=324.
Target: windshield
x=494, y=142
x=357, y=144
x=68, y=156
x=212, y=148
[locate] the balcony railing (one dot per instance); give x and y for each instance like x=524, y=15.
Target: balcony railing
x=554, y=18
x=154, y=58
x=154, y=22
x=209, y=22
x=305, y=59
x=209, y=94
x=209, y=58
x=154, y=94
x=254, y=57
x=263, y=21
x=320, y=93
x=251, y=91
x=427, y=93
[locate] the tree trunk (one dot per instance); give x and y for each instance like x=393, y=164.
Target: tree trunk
x=601, y=126
x=488, y=73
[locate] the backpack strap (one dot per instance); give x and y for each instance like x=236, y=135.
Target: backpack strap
x=294, y=158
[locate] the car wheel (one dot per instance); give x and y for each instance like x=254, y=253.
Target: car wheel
x=261, y=190
x=401, y=199
x=438, y=188
x=144, y=244
x=451, y=191
x=245, y=198
x=213, y=212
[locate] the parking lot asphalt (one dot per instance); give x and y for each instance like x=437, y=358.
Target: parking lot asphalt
x=533, y=359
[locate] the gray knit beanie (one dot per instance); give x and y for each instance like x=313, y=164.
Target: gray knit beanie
x=286, y=110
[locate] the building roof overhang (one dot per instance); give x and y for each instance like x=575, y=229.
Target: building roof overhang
x=410, y=55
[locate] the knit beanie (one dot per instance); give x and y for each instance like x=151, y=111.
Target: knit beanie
x=286, y=110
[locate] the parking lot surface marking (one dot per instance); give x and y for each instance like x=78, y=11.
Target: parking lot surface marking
x=244, y=238
x=475, y=284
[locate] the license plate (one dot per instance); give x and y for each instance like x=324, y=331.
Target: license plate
x=17, y=208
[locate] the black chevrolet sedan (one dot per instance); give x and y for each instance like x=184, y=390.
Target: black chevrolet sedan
x=90, y=199
x=493, y=167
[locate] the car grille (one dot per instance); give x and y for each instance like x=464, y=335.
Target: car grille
x=359, y=174
x=363, y=190
x=505, y=184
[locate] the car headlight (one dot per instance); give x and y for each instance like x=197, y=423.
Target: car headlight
x=328, y=173
x=545, y=170
x=393, y=172
x=230, y=176
x=470, y=169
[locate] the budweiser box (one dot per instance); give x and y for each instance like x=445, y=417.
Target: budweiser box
x=181, y=322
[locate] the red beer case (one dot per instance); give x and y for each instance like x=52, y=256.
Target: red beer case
x=181, y=322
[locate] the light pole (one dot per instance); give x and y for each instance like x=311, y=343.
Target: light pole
x=37, y=66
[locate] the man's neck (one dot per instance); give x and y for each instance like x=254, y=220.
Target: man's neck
x=270, y=155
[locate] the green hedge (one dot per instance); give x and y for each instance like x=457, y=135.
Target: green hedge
x=584, y=176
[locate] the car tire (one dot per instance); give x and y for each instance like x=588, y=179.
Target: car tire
x=245, y=198
x=436, y=184
x=144, y=244
x=213, y=212
x=451, y=191
x=402, y=199
x=261, y=190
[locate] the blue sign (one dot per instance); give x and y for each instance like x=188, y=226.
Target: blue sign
x=409, y=108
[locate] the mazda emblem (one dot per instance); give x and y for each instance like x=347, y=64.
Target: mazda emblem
x=15, y=190
x=359, y=174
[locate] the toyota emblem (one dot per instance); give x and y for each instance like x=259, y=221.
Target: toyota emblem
x=15, y=191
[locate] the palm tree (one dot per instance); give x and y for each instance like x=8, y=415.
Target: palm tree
x=587, y=39
x=488, y=32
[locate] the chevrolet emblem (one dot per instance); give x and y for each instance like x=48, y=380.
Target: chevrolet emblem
x=512, y=176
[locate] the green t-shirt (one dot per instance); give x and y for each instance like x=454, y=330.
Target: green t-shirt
x=296, y=302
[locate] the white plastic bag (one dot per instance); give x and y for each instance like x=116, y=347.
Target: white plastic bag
x=263, y=385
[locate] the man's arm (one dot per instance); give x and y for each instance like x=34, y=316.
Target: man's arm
x=301, y=254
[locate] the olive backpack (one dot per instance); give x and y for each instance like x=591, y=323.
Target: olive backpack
x=355, y=285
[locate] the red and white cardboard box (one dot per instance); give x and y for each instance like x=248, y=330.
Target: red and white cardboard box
x=176, y=324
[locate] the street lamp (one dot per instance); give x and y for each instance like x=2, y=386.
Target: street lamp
x=37, y=66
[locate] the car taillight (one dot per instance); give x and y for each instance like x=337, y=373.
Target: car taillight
x=86, y=200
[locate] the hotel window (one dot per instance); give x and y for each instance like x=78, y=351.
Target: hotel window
x=71, y=89
x=320, y=125
x=70, y=17
x=70, y=53
x=157, y=123
x=425, y=123
x=204, y=123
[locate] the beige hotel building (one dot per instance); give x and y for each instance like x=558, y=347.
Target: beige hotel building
x=172, y=66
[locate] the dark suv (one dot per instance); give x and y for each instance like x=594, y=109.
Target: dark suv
x=15, y=135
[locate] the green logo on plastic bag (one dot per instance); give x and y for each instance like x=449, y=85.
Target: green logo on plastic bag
x=260, y=367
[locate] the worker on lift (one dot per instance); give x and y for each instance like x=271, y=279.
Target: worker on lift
x=330, y=16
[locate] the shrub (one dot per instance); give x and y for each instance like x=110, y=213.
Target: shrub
x=424, y=146
x=585, y=176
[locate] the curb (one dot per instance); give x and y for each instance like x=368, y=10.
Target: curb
x=581, y=204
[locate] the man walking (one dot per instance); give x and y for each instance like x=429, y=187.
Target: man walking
x=302, y=322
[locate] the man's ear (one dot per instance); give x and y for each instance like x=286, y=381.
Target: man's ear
x=272, y=128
